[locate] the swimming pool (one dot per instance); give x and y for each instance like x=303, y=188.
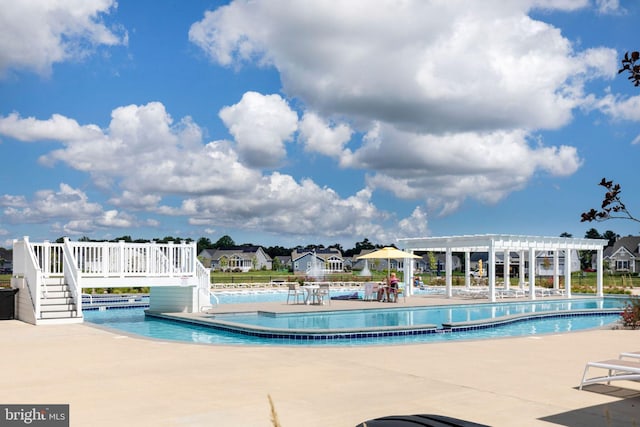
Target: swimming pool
x=134, y=321
x=412, y=316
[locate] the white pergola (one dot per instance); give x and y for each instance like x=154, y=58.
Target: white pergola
x=495, y=243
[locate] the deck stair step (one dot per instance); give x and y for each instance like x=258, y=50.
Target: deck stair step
x=57, y=302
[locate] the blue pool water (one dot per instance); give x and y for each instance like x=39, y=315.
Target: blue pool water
x=411, y=316
x=134, y=321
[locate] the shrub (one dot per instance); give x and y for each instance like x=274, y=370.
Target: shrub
x=631, y=313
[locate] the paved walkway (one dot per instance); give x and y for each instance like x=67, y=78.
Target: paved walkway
x=111, y=379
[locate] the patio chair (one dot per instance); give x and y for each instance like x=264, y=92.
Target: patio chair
x=370, y=291
x=617, y=370
x=400, y=290
x=295, y=292
x=323, y=293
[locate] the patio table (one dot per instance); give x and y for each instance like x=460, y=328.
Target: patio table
x=311, y=293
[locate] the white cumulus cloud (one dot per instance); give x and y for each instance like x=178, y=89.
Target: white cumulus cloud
x=35, y=34
x=260, y=125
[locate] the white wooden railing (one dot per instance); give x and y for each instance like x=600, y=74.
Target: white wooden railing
x=109, y=264
x=71, y=275
x=205, y=295
x=26, y=265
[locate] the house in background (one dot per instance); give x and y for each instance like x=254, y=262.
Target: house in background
x=317, y=262
x=236, y=258
x=420, y=265
x=544, y=265
x=545, y=262
x=624, y=255
x=284, y=261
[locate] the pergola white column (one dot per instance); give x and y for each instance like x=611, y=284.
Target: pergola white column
x=507, y=269
x=448, y=270
x=599, y=287
x=521, y=269
x=408, y=276
x=556, y=269
x=492, y=273
x=532, y=273
x=467, y=269
x=567, y=273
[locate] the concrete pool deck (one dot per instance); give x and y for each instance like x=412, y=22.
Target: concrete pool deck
x=113, y=379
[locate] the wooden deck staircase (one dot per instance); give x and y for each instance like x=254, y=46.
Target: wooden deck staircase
x=57, y=301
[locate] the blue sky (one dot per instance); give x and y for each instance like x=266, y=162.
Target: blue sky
x=295, y=122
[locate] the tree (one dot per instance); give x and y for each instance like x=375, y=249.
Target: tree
x=592, y=233
x=224, y=242
x=612, y=206
x=610, y=236
x=629, y=65
x=565, y=234
x=365, y=244
x=203, y=243
x=586, y=256
x=337, y=246
x=433, y=262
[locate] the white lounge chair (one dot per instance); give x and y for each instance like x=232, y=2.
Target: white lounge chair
x=617, y=370
x=630, y=354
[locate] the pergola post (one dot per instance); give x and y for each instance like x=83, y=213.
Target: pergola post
x=506, y=269
x=521, y=276
x=447, y=268
x=408, y=276
x=532, y=273
x=467, y=269
x=556, y=269
x=492, y=273
x=599, y=282
x=567, y=272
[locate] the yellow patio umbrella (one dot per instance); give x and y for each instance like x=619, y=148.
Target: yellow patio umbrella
x=388, y=253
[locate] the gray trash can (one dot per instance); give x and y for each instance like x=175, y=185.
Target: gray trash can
x=8, y=303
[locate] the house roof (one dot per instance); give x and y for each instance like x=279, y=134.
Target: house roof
x=245, y=252
x=630, y=243
x=323, y=254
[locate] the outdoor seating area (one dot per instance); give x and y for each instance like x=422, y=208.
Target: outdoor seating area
x=617, y=369
x=310, y=293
